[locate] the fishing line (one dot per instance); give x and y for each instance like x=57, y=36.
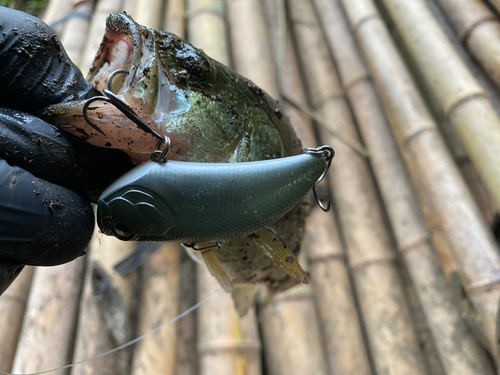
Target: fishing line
x=126, y=345
x=140, y=338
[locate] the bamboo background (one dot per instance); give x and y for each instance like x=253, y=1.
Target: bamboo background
x=405, y=272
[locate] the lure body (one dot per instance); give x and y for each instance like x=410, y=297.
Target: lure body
x=204, y=202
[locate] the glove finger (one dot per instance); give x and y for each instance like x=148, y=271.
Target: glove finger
x=58, y=157
x=41, y=224
x=35, y=70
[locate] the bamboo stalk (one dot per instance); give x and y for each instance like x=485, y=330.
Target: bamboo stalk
x=459, y=95
x=369, y=248
x=207, y=29
x=174, y=19
x=105, y=309
x=159, y=302
x=227, y=344
x=129, y=7
x=75, y=32
x=186, y=353
x=96, y=30
x=148, y=13
x=457, y=348
x=342, y=332
x=292, y=344
x=478, y=28
x=471, y=242
x=56, y=10
x=495, y=4
x=12, y=309
x=46, y=340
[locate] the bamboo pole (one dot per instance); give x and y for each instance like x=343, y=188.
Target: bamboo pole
x=495, y=4
x=149, y=13
x=292, y=344
x=159, y=302
x=56, y=10
x=369, y=247
x=457, y=348
x=186, y=353
x=473, y=247
x=105, y=309
x=461, y=98
x=46, y=340
x=12, y=309
x=340, y=324
x=227, y=344
x=96, y=30
x=75, y=32
x=479, y=30
x=174, y=19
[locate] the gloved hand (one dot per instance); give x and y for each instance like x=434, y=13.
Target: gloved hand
x=47, y=177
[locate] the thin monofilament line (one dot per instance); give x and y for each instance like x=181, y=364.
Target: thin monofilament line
x=126, y=345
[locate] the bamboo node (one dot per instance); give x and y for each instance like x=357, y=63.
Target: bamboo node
x=363, y=77
x=405, y=249
x=467, y=30
x=482, y=286
x=465, y=99
x=413, y=133
x=365, y=263
x=198, y=12
x=228, y=345
x=326, y=256
x=357, y=26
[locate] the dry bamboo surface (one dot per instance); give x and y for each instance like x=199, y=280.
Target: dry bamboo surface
x=12, y=309
x=461, y=98
x=370, y=251
x=227, y=344
x=96, y=30
x=453, y=209
x=158, y=303
x=174, y=19
x=149, y=13
x=105, y=309
x=457, y=348
x=342, y=332
x=289, y=325
x=495, y=4
x=478, y=28
x=74, y=35
x=46, y=339
x=186, y=354
x=160, y=276
x=56, y=10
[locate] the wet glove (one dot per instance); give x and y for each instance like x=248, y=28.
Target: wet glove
x=47, y=177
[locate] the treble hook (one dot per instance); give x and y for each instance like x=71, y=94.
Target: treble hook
x=328, y=152
x=120, y=105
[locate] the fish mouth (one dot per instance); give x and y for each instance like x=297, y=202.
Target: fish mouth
x=131, y=47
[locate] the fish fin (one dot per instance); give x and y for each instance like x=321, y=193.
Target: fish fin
x=217, y=270
x=244, y=297
x=269, y=242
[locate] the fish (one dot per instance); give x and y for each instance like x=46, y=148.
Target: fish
x=211, y=115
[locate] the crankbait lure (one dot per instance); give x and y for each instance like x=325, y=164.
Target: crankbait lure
x=207, y=202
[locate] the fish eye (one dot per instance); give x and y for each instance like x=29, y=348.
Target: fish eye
x=122, y=232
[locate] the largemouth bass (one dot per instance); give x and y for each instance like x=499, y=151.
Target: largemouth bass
x=210, y=113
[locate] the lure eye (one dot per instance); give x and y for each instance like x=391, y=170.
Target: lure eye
x=122, y=232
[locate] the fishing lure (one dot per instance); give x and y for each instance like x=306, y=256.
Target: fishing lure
x=206, y=202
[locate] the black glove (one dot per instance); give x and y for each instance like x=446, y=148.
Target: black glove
x=47, y=177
